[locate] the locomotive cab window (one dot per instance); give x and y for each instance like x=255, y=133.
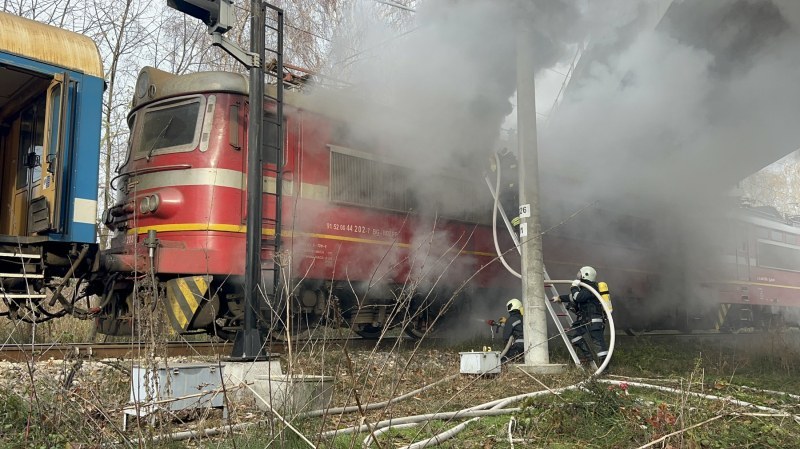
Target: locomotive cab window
x=169, y=127
x=779, y=256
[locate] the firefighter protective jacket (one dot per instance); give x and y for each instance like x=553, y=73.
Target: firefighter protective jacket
x=586, y=305
x=513, y=326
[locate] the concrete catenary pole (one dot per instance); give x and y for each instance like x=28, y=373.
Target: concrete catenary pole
x=535, y=311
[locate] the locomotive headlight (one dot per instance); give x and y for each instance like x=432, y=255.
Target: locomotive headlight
x=144, y=206
x=152, y=204
x=149, y=204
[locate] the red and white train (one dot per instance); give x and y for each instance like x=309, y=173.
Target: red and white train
x=363, y=245
x=759, y=283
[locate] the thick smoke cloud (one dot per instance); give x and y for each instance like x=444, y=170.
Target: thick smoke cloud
x=691, y=106
x=669, y=105
x=666, y=120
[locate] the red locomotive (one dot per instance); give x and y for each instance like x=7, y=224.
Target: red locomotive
x=361, y=246
x=759, y=283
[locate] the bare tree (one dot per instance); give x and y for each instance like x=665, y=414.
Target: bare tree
x=120, y=32
x=776, y=185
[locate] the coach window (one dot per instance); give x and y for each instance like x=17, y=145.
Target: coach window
x=55, y=120
x=791, y=239
x=31, y=140
x=169, y=127
x=776, y=236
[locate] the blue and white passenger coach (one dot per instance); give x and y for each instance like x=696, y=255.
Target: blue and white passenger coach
x=51, y=88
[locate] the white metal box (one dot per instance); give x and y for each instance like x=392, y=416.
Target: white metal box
x=480, y=362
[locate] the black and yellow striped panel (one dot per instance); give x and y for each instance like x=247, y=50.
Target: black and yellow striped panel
x=722, y=314
x=185, y=297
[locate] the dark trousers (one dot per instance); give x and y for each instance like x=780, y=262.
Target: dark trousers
x=515, y=352
x=595, y=328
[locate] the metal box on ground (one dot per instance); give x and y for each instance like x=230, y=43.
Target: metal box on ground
x=239, y=373
x=480, y=362
x=178, y=386
x=293, y=394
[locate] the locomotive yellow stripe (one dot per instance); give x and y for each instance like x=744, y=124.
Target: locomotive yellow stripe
x=189, y=227
x=269, y=231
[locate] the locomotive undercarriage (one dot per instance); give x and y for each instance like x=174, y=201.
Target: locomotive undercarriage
x=203, y=304
x=369, y=312
x=41, y=280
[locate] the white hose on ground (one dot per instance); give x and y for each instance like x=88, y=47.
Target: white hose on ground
x=497, y=404
x=703, y=396
x=436, y=439
x=478, y=410
x=418, y=419
x=368, y=440
x=354, y=408
x=192, y=434
x=502, y=403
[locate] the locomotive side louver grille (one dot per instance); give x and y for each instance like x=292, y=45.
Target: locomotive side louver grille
x=365, y=182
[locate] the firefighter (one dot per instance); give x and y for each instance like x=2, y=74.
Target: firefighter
x=512, y=333
x=589, y=316
x=509, y=189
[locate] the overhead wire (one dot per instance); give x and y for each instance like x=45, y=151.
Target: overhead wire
x=396, y=5
x=358, y=53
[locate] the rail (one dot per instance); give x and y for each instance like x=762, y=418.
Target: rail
x=18, y=352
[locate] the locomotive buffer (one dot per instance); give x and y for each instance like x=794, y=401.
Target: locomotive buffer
x=561, y=317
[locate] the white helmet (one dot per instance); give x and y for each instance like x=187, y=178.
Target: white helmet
x=514, y=304
x=587, y=273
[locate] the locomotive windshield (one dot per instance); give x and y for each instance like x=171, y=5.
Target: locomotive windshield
x=168, y=128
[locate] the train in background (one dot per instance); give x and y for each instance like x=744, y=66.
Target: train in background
x=51, y=96
x=739, y=271
x=759, y=284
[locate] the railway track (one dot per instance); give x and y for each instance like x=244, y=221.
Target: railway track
x=45, y=351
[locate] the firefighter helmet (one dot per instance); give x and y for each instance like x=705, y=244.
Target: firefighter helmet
x=587, y=274
x=514, y=304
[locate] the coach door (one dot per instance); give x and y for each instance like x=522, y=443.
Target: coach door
x=30, y=149
x=22, y=145
x=45, y=207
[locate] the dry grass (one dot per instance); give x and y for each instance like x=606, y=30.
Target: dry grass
x=44, y=411
x=63, y=330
